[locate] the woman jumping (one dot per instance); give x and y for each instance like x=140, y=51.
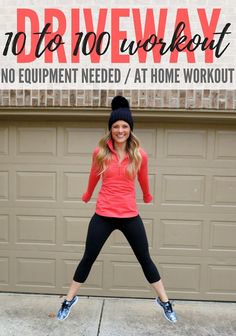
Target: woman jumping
x=118, y=160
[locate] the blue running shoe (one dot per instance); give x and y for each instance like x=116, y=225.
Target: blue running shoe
x=65, y=309
x=169, y=314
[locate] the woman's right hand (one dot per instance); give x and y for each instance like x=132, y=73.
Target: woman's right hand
x=86, y=197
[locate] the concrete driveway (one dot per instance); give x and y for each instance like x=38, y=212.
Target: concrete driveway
x=34, y=315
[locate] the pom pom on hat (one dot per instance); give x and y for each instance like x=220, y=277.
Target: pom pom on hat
x=120, y=111
x=119, y=101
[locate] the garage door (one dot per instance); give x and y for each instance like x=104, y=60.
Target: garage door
x=191, y=224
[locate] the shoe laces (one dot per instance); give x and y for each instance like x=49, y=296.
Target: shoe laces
x=168, y=306
x=65, y=304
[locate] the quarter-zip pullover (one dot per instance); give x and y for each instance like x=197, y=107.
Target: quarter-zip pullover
x=117, y=196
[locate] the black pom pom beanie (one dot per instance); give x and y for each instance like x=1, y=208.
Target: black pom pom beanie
x=120, y=111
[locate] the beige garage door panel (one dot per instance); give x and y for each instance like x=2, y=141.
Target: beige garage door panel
x=191, y=224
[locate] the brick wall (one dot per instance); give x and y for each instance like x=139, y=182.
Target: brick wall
x=156, y=99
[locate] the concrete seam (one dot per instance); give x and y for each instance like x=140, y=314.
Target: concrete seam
x=100, y=319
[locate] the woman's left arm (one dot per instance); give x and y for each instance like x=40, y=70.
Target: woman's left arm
x=143, y=178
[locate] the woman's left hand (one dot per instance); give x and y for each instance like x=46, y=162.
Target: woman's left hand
x=147, y=198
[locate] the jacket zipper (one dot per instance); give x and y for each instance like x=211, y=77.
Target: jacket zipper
x=119, y=165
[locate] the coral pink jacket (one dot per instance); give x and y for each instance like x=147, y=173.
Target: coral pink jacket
x=117, y=196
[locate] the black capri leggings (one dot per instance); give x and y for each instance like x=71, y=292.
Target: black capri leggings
x=100, y=229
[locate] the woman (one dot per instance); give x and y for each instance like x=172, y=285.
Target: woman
x=118, y=160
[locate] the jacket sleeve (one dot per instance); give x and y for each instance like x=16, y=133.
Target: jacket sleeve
x=93, y=179
x=143, y=178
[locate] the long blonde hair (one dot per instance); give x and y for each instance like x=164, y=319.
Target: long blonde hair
x=132, y=147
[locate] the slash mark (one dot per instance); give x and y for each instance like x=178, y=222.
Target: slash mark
x=127, y=77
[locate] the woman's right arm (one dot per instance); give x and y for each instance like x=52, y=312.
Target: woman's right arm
x=93, y=179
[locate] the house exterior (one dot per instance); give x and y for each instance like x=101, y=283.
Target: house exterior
x=46, y=141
